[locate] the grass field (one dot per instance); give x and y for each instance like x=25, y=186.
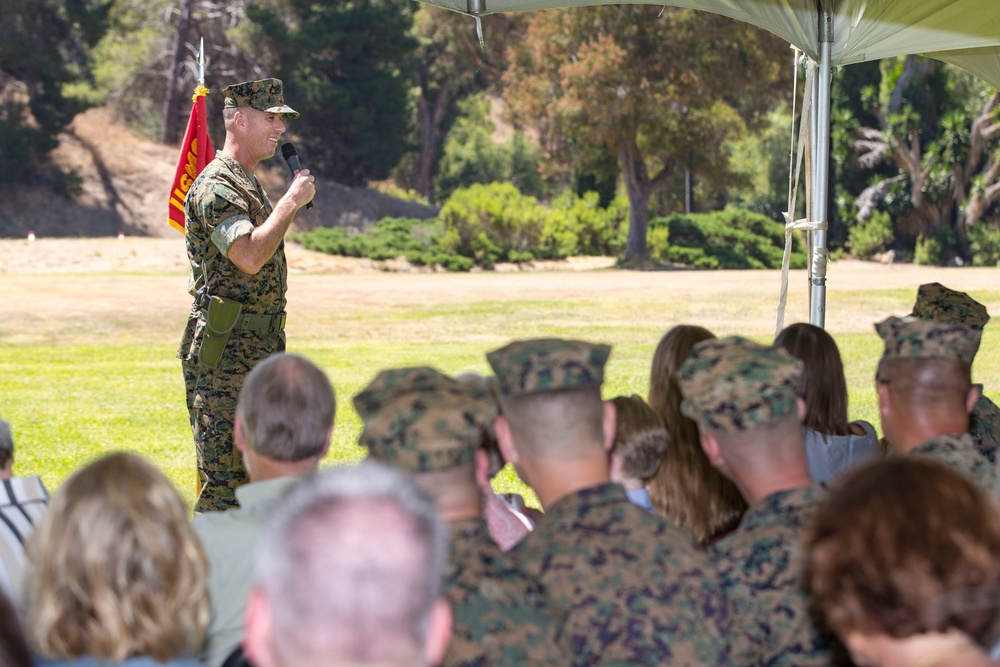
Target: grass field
x=87, y=362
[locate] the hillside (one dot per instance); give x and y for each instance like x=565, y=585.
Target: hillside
x=125, y=180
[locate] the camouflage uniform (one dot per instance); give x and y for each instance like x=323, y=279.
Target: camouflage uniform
x=633, y=588
x=225, y=203
x=941, y=304
x=422, y=421
x=915, y=338
x=959, y=451
x=760, y=565
x=734, y=385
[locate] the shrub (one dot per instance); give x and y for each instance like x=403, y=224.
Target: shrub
x=492, y=223
x=869, y=237
x=984, y=244
x=416, y=240
x=722, y=239
x=927, y=251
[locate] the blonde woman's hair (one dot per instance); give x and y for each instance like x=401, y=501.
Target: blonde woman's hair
x=115, y=569
x=686, y=488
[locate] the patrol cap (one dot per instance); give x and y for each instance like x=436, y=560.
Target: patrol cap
x=263, y=95
x=942, y=304
x=548, y=364
x=419, y=419
x=733, y=384
x=915, y=338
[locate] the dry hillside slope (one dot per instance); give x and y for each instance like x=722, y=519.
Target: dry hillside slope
x=125, y=182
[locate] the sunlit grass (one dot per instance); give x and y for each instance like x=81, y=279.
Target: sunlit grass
x=69, y=403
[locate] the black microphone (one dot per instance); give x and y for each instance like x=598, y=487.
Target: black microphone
x=292, y=158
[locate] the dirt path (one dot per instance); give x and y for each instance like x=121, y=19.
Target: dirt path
x=59, y=291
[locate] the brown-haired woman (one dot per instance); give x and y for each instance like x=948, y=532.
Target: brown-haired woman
x=116, y=575
x=686, y=488
x=832, y=443
x=903, y=559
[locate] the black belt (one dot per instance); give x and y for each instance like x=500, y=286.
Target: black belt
x=262, y=323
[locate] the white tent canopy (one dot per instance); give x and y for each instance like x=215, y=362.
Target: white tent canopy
x=832, y=33
x=962, y=32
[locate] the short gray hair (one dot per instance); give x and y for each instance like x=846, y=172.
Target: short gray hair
x=351, y=562
x=6, y=444
x=286, y=408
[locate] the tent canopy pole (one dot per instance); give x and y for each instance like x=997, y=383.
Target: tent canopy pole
x=820, y=139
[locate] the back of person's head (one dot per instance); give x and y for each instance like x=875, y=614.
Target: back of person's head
x=550, y=394
x=115, y=569
x=686, y=488
x=925, y=370
x=349, y=570
x=906, y=546
x=567, y=424
x=640, y=437
x=6, y=445
x=823, y=385
x=286, y=409
x=14, y=651
x=664, y=391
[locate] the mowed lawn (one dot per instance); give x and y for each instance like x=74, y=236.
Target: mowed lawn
x=87, y=362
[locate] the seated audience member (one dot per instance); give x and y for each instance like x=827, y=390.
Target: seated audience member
x=430, y=426
x=903, y=560
x=116, y=575
x=349, y=572
x=283, y=424
x=686, y=489
x=14, y=651
x=941, y=304
x=639, y=445
x=744, y=397
x=504, y=513
x=832, y=443
x=632, y=588
x=22, y=504
x=925, y=393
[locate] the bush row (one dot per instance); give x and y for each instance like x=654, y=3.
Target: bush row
x=483, y=225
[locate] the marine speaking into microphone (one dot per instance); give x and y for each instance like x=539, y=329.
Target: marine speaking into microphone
x=292, y=158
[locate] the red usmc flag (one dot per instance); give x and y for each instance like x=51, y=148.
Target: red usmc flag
x=196, y=152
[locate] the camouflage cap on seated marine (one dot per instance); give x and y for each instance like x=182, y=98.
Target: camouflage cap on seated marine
x=734, y=384
x=943, y=304
x=548, y=364
x=915, y=338
x=420, y=420
x=263, y=95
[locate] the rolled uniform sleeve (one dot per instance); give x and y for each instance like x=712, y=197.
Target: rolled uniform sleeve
x=225, y=215
x=229, y=230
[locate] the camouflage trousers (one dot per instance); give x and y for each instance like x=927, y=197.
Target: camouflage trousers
x=212, y=394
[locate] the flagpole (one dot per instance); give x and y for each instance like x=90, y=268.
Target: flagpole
x=201, y=63
x=196, y=149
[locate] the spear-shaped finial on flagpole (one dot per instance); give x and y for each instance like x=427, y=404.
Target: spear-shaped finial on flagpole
x=200, y=90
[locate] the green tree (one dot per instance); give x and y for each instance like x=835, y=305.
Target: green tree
x=472, y=155
x=939, y=129
x=43, y=47
x=655, y=86
x=450, y=66
x=350, y=65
